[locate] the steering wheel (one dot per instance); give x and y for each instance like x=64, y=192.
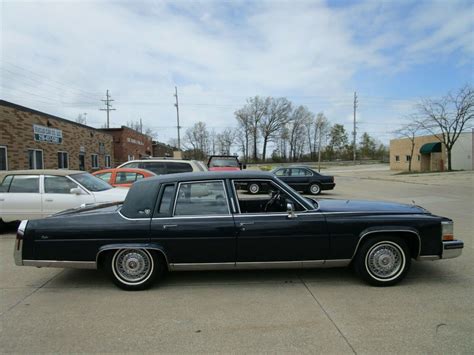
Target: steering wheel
x=272, y=201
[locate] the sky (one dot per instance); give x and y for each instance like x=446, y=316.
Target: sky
x=61, y=57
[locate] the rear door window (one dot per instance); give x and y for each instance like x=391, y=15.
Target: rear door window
x=201, y=198
x=173, y=167
x=157, y=167
x=24, y=184
x=125, y=178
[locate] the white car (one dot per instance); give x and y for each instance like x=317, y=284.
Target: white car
x=32, y=194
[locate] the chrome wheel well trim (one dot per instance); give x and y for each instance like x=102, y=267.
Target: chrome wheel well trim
x=131, y=246
x=382, y=231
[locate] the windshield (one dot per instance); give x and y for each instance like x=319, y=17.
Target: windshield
x=223, y=162
x=90, y=182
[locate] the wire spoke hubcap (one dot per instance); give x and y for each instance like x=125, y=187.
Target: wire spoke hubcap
x=385, y=260
x=132, y=265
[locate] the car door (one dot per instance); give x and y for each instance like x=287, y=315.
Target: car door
x=22, y=200
x=277, y=236
x=194, y=224
x=298, y=179
x=57, y=195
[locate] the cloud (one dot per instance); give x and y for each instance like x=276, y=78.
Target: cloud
x=61, y=57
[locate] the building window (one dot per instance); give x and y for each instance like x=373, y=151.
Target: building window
x=419, y=157
x=131, y=157
x=95, y=161
x=3, y=158
x=35, y=159
x=101, y=148
x=407, y=157
x=63, y=160
x=107, y=161
x=397, y=158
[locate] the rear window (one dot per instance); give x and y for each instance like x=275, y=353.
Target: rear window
x=223, y=163
x=173, y=168
x=25, y=184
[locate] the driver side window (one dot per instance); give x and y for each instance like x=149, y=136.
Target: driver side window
x=269, y=197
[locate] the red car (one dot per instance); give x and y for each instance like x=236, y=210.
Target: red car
x=224, y=163
x=124, y=177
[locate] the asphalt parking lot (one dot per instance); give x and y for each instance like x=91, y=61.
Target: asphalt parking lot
x=322, y=310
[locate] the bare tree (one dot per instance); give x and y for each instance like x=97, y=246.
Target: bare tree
x=244, y=130
x=81, y=118
x=253, y=112
x=410, y=131
x=276, y=116
x=197, y=140
x=450, y=115
x=225, y=140
x=297, y=130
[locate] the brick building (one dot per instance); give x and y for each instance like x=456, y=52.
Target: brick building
x=32, y=139
x=163, y=150
x=129, y=144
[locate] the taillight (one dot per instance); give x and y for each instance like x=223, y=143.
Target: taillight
x=447, y=230
x=20, y=233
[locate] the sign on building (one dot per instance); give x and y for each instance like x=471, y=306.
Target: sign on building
x=46, y=134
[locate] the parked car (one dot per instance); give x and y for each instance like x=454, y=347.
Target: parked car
x=123, y=177
x=204, y=222
x=224, y=163
x=32, y=194
x=302, y=178
x=165, y=166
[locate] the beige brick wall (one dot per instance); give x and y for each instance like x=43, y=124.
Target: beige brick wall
x=16, y=132
x=402, y=148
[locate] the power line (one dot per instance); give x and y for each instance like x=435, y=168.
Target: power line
x=108, y=106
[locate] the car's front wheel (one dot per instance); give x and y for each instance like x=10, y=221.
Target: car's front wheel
x=315, y=189
x=134, y=269
x=383, y=260
x=254, y=188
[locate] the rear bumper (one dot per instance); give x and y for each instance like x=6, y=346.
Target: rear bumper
x=328, y=186
x=452, y=249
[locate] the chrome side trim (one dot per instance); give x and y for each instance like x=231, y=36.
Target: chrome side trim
x=428, y=257
x=388, y=231
x=337, y=263
x=256, y=265
x=201, y=266
x=61, y=263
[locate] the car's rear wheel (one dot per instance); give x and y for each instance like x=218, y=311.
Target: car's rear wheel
x=383, y=260
x=254, y=188
x=315, y=189
x=134, y=269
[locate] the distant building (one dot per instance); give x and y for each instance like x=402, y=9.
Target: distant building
x=429, y=153
x=129, y=144
x=163, y=150
x=30, y=139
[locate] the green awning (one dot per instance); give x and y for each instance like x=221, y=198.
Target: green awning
x=431, y=148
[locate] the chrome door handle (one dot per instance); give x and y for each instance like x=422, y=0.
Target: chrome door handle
x=2, y=199
x=168, y=226
x=48, y=199
x=245, y=223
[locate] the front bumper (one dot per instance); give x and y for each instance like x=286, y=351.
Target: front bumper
x=452, y=249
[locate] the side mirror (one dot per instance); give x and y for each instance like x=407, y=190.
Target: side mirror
x=291, y=210
x=76, y=191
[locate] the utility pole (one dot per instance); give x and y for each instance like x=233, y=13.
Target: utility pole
x=108, y=107
x=177, y=116
x=355, y=127
x=141, y=125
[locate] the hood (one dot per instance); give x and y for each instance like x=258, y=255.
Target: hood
x=368, y=206
x=111, y=195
